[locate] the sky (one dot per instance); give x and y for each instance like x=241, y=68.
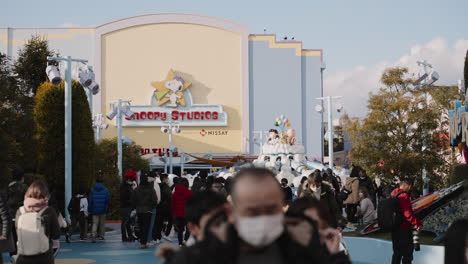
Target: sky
x=360, y=38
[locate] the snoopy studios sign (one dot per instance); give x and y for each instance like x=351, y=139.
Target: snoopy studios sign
x=171, y=101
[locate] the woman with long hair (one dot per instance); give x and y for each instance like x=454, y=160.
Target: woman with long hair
x=35, y=238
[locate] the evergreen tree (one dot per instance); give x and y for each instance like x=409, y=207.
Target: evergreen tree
x=50, y=119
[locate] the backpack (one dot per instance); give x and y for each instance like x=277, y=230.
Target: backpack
x=389, y=215
x=32, y=239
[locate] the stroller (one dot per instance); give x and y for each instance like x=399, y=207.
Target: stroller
x=134, y=227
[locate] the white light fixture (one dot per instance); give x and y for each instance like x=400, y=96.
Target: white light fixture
x=176, y=130
x=433, y=77
x=319, y=109
x=86, y=77
x=164, y=130
x=339, y=107
x=53, y=73
x=113, y=113
x=127, y=112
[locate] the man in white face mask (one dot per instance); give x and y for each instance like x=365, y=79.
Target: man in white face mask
x=256, y=230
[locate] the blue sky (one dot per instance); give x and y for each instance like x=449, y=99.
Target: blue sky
x=352, y=33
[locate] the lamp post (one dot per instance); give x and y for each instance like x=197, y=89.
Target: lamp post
x=118, y=110
x=169, y=129
x=319, y=109
x=68, y=120
x=427, y=77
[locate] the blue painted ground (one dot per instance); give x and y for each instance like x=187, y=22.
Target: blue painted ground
x=112, y=250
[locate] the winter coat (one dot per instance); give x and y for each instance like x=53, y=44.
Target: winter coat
x=180, y=196
x=126, y=191
x=5, y=227
x=99, y=198
x=367, y=183
x=166, y=194
x=407, y=210
x=328, y=201
x=367, y=211
x=352, y=184
x=74, y=206
x=222, y=245
x=15, y=193
x=288, y=195
x=144, y=198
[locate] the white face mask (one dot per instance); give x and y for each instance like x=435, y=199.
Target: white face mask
x=260, y=231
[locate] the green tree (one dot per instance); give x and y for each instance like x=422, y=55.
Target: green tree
x=50, y=118
x=31, y=64
x=106, y=165
x=389, y=140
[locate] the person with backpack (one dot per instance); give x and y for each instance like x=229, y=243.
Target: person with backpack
x=395, y=214
x=99, y=198
x=78, y=210
x=352, y=187
x=37, y=225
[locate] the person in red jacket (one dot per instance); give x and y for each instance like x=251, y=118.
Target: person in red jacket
x=402, y=237
x=180, y=196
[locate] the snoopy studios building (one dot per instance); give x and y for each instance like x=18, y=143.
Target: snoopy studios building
x=223, y=86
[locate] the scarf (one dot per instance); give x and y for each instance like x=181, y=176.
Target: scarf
x=35, y=205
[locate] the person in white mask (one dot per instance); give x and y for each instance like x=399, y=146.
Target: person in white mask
x=256, y=231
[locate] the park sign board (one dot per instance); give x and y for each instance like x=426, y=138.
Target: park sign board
x=172, y=101
x=458, y=124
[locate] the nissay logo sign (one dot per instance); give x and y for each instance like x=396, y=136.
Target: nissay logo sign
x=172, y=102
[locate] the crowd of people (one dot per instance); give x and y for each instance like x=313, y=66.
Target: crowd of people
x=248, y=218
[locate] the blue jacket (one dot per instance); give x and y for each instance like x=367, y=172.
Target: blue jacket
x=98, y=199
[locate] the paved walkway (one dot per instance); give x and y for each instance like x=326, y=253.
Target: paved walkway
x=112, y=250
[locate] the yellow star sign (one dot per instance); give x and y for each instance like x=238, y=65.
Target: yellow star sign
x=171, y=90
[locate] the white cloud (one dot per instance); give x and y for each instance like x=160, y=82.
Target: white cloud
x=355, y=84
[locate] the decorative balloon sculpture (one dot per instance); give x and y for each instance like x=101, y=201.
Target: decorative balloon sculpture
x=282, y=123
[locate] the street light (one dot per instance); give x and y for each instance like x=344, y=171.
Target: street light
x=319, y=109
x=99, y=124
x=427, y=76
x=117, y=110
x=169, y=129
x=53, y=74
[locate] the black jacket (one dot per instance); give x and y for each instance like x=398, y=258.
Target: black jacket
x=15, y=193
x=144, y=198
x=223, y=247
x=166, y=196
x=5, y=220
x=328, y=200
x=125, y=195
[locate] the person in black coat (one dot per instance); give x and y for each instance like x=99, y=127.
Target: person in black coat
x=6, y=240
x=126, y=189
x=288, y=195
x=238, y=234
x=144, y=199
x=163, y=210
